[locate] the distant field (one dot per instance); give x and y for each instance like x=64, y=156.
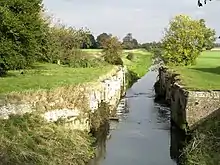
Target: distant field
x=205, y=75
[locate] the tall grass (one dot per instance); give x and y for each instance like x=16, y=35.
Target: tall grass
x=204, y=148
x=28, y=139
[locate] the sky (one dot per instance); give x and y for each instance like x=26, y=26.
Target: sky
x=145, y=19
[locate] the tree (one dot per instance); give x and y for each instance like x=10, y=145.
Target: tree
x=184, y=40
x=128, y=38
x=101, y=39
x=22, y=33
x=129, y=42
x=209, y=35
x=91, y=43
x=112, y=50
x=134, y=43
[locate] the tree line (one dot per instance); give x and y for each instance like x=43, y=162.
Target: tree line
x=128, y=42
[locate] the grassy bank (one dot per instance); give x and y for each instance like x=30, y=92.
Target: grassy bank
x=48, y=76
x=204, y=148
x=205, y=75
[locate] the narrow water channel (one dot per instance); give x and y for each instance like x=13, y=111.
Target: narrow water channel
x=142, y=136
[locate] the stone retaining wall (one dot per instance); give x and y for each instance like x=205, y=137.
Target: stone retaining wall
x=70, y=103
x=188, y=108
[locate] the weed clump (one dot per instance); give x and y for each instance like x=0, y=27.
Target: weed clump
x=29, y=139
x=132, y=77
x=204, y=148
x=100, y=116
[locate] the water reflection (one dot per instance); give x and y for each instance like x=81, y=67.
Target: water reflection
x=142, y=136
x=102, y=136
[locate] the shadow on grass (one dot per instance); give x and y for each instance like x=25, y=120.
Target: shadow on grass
x=16, y=73
x=215, y=70
x=9, y=75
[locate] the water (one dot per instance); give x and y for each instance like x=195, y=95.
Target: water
x=142, y=136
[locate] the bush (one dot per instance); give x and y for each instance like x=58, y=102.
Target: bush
x=21, y=33
x=63, y=44
x=112, y=51
x=130, y=56
x=29, y=139
x=80, y=59
x=113, y=60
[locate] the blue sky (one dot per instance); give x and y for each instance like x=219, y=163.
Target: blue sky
x=145, y=19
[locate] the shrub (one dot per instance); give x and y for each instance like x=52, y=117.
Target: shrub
x=63, y=44
x=130, y=56
x=78, y=59
x=112, y=51
x=21, y=33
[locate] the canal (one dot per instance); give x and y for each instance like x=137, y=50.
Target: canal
x=142, y=136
